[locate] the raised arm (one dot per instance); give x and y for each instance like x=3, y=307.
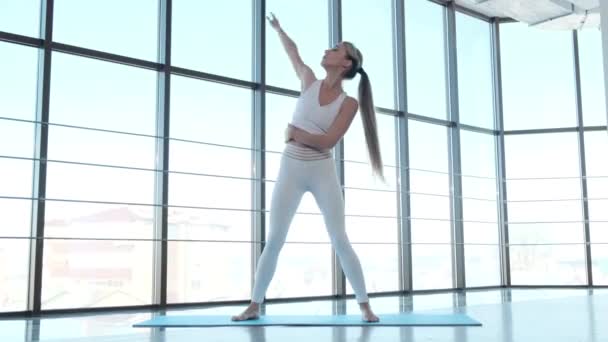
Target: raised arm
x=304, y=72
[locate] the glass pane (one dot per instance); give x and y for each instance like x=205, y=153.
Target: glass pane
x=196, y=44
x=20, y=17
x=216, y=225
x=599, y=266
x=88, y=274
x=553, y=233
x=16, y=217
x=553, y=156
x=106, y=221
x=194, y=275
x=370, y=203
x=128, y=28
x=19, y=70
x=430, y=200
x=429, y=182
x=482, y=265
x=541, y=155
x=372, y=229
x=428, y=146
x=375, y=41
x=431, y=266
x=303, y=270
x=478, y=188
x=474, y=71
x=548, y=265
x=90, y=93
x=18, y=86
x=209, y=159
x=311, y=40
x=14, y=262
x=16, y=177
x=544, y=155
x=542, y=189
x=537, y=77
x=92, y=183
x=596, y=145
x=592, y=77
x=209, y=192
x=430, y=207
x=87, y=146
x=481, y=233
x=431, y=231
x=545, y=211
x=475, y=210
x=210, y=112
x=479, y=191
x=16, y=139
x=425, y=55
x=19, y=67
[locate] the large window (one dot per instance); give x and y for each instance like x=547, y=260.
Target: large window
x=592, y=77
x=425, y=50
x=545, y=213
x=127, y=28
x=480, y=209
x=209, y=192
x=216, y=39
x=371, y=205
x=98, y=196
x=430, y=206
x=474, y=71
x=375, y=41
x=306, y=23
x=596, y=145
x=18, y=66
x=537, y=78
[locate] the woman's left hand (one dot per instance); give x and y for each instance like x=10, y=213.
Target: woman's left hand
x=290, y=132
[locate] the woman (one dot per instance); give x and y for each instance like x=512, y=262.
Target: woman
x=322, y=116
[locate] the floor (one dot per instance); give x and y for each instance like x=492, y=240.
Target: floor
x=506, y=314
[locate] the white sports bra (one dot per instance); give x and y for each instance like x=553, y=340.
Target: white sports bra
x=310, y=116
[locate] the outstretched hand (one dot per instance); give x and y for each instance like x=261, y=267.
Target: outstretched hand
x=274, y=22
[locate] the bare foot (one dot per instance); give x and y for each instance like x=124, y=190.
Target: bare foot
x=252, y=312
x=367, y=313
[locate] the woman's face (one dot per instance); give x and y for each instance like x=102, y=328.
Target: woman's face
x=336, y=57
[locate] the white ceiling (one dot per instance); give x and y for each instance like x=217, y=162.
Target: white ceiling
x=546, y=14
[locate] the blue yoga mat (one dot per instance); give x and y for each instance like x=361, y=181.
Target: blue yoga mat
x=404, y=319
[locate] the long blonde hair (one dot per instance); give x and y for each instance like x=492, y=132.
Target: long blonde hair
x=366, y=105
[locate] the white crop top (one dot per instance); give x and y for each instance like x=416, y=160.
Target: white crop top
x=310, y=116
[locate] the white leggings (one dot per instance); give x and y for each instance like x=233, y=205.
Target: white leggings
x=296, y=177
